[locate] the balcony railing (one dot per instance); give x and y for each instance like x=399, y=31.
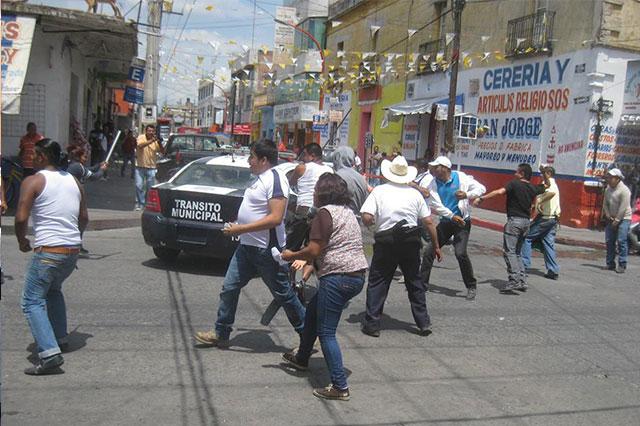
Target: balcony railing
x=342, y=6
x=531, y=34
x=432, y=56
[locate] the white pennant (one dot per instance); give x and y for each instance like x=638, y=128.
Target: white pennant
x=485, y=38
x=449, y=38
x=411, y=32
x=374, y=29
x=335, y=23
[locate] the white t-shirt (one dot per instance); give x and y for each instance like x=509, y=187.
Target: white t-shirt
x=307, y=182
x=255, y=206
x=392, y=202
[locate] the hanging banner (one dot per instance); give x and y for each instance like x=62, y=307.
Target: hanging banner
x=17, y=34
x=134, y=91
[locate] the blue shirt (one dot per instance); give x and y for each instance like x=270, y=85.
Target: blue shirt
x=447, y=192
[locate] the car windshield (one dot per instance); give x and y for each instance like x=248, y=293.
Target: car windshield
x=214, y=175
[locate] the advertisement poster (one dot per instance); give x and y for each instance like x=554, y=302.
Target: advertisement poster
x=17, y=33
x=631, y=100
x=337, y=107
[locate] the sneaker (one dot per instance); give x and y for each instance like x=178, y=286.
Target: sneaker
x=611, y=267
x=369, y=331
x=551, y=275
x=50, y=365
x=332, y=393
x=522, y=287
x=424, y=331
x=471, y=294
x=509, y=288
x=210, y=338
x=137, y=208
x=621, y=269
x=292, y=360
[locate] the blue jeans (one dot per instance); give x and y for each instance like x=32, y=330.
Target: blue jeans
x=323, y=314
x=544, y=230
x=617, y=234
x=43, y=302
x=515, y=232
x=145, y=179
x=246, y=263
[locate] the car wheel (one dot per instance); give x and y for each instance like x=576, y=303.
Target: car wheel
x=166, y=254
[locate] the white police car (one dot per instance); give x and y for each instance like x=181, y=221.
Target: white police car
x=188, y=212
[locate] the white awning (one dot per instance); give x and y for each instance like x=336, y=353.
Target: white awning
x=420, y=106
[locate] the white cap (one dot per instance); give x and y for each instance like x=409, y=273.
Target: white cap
x=615, y=172
x=441, y=161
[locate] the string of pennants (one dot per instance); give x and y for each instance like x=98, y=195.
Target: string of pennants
x=351, y=68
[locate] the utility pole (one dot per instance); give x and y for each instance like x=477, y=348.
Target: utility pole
x=449, y=143
x=151, y=77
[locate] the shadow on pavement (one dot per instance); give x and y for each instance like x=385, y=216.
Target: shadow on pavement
x=499, y=285
x=591, y=265
x=252, y=341
x=75, y=341
x=189, y=264
x=386, y=322
x=432, y=288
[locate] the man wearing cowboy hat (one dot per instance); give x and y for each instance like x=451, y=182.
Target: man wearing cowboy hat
x=450, y=192
x=616, y=211
x=395, y=208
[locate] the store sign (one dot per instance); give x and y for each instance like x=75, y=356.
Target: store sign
x=238, y=129
x=17, y=33
x=285, y=34
x=337, y=107
x=320, y=122
x=295, y=112
x=134, y=90
x=631, y=99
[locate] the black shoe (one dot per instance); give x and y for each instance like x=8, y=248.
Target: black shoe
x=424, y=331
x=551, y=275
x=471, y=294
x=293, y=361
x=370, y=332
x=611, y=267
x=49, y=365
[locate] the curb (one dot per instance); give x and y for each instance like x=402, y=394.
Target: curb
x=560, y=240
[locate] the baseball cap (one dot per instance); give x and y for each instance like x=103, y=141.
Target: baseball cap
x=615, y=172
x=441, y=161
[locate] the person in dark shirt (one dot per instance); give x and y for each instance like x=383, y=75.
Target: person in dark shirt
x=520, y=196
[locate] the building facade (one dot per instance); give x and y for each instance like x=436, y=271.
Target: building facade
x=76, y=73
x=534, y=78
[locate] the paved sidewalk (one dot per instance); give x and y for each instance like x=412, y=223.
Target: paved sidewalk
x=566, y=235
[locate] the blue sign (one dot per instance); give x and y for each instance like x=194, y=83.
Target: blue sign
x=133, y=95
x=136, y=74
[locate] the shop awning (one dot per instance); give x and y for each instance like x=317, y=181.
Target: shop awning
x=421, y=106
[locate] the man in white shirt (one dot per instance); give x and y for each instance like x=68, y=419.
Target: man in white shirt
x=260, y=227
x=544, y=226
x=396, y=209
x=305, y=176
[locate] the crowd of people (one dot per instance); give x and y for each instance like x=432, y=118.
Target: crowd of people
x=323, y=236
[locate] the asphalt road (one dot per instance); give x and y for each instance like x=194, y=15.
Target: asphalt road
x=566, y=352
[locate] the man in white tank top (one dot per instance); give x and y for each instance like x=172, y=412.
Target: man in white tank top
x=55, y=201
x=304, y=177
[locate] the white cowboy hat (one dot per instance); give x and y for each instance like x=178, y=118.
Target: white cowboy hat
x=398, y=171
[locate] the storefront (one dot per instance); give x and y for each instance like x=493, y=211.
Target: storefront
x=294, y=123
x=540, y=110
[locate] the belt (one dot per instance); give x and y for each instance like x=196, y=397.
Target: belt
x=548, y=217
x=356, y=273
x=57, y=250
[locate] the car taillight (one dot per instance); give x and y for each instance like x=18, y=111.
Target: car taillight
x=153, y=201
x=178, y=157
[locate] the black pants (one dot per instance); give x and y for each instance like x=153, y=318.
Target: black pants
x=446, y=229
x=298, y=231
x=386, y=258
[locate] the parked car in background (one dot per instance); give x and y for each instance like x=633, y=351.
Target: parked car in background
x=182, y=149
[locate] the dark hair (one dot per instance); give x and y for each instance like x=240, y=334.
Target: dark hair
x=525, y=169
x=313, y=149
x=266, y=149
x=550, y=169
x=76, y=151
x=331, y=189
x=29, y=124
x=52, y=151
x=422, y=164
x=147, y=126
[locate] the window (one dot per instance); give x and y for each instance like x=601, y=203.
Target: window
x=340, y=47
x=182, y=143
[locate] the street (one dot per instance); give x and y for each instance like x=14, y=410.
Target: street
x=565, y=352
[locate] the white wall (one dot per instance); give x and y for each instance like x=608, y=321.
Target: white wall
x=49, y=66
